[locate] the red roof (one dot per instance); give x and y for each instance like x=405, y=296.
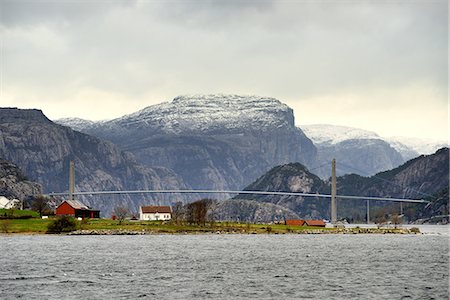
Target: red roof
x=156, y=209
x=295, y=222
x=320, y=223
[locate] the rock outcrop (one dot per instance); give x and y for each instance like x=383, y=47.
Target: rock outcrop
x=14, y=184
x=292, y=178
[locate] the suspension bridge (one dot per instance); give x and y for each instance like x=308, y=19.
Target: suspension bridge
x=333, y=196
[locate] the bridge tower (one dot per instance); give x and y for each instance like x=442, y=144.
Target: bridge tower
x=71, y=179
x=333, y=192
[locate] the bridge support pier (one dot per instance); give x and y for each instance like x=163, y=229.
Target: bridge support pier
x=333, y=192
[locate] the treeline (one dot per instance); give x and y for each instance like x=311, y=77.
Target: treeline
x=198, y=212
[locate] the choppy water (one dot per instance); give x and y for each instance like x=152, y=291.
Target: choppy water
x=225, y=267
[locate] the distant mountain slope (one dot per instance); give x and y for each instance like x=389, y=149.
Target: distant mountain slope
x=417, y=178
x=324, y=135
x=422, y=177
x=43, y=150
x=356, y=150
x=14, y=184
x=420, y=146
x=211, y=141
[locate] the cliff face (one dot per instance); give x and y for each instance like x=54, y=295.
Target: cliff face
x=212, y=141
x=14, y=184
x=43, y=150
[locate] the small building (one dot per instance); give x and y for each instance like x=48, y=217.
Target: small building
x=155, y=213
x=8, y=204
x=76, y=209
x=295, y=222
x=317, y=223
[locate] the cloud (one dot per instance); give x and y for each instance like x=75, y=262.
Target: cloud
x=144, y=52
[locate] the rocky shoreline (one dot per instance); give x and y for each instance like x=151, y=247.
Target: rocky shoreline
x=309, y=231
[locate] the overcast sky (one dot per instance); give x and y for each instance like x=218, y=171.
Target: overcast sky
x=377, y=65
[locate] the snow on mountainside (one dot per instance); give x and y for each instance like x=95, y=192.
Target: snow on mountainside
x=332, y=134
x=421, y=146
x=327, y=135
x=209, y=113
x=77, y=124
x=212, y=141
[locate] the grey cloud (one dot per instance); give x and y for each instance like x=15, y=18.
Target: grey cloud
x=284, y=49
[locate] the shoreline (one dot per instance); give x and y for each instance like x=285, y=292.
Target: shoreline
x=102, y=232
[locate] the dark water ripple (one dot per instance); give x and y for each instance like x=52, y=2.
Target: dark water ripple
x=225, y=267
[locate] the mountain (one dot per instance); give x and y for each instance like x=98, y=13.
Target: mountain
x=14, y=184
x=426, y=176
x=418, y=178
x=417, y=145
x=211, y=141
x=293, y=177
x=43, y=150
x=356, y=150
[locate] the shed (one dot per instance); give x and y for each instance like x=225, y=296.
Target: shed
x=76, y=209
x=317, y=223
x=154, y=213
x=295, y=222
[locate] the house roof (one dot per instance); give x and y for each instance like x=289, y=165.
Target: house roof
x=156, y=209
x=76, y=204
x=295, y=222
x=315, y=223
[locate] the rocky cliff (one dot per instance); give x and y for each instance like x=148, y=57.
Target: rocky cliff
x=211, y=141
x=14, y=184
x=43, y=150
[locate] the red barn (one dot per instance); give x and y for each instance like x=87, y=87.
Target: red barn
x=76, y=209
x=295, y=222
x=317, y=223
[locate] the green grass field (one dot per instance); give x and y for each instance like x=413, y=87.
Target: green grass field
x=36, y=225
x=17, y=212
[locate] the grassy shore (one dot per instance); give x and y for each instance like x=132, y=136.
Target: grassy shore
x=107, y=226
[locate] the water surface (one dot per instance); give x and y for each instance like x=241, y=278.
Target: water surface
x=225, y=267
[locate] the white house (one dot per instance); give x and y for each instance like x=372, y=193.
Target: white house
x=8, y=204
x=154, y=213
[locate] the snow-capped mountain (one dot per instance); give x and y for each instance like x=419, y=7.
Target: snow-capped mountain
x=356, y=150
x=323, y=134
x=420, y=146
x=210, y=113
x=77, y=124
x=212, y=141
x=326, y=135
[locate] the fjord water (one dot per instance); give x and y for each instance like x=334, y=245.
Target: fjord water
x=225, y=266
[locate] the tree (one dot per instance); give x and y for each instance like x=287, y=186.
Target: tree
x=178, y=212
x=396, y=220
x=62, y=224
x=40, y=204
x=121, y=212
x=197, y=211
